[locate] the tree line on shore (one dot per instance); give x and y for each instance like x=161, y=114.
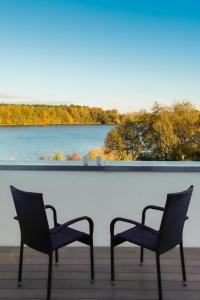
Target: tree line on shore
x=25, y=114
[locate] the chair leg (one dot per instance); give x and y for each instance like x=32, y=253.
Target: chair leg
x=159, y=277
x=183, y=264
x=92, y=261
x=141, y=255
x=112, y=262
x=20, y=263
x=49, y=277
x=56, y=256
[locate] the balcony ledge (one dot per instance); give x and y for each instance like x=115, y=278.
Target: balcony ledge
x=109, y=166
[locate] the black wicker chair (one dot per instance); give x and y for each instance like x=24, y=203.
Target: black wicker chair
x=167, y=237
x=36, y=234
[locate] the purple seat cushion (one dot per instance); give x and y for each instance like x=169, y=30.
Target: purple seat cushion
x=65, y=236
x=146, y=237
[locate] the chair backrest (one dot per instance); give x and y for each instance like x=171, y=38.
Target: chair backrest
x=173, y=220
x=32, y=219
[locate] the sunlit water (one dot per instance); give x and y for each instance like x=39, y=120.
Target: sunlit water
x=30, y=142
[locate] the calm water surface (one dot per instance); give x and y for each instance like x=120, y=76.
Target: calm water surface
x=30, y=142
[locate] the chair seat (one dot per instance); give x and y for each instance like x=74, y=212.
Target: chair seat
x=62, y=237
x=145, y=237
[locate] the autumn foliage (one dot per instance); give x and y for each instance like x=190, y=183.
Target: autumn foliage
x=20, y=114
x=165, y=133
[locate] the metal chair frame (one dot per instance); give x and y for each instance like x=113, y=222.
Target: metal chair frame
x=162, y=233
x=86, y=239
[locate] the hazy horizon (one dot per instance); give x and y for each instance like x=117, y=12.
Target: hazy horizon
x=110, y=53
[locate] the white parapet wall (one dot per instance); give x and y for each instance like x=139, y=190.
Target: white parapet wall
x=102, y=196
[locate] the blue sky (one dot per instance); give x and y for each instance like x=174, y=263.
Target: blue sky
x=122, y=54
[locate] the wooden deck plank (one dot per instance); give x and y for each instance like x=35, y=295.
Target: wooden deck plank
x=71, y=279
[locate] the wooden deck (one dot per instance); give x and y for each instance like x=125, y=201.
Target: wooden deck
x=71, y=277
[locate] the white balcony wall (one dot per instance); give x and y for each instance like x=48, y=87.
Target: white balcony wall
x=100, y=195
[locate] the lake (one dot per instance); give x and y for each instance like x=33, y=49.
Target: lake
x=30, y=142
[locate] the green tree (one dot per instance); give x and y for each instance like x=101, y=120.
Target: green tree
x=166, y=133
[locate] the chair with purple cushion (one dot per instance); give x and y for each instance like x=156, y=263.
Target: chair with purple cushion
x=166, y=238
x=35, y=231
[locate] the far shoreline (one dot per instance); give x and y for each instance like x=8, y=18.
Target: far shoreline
x=63, y=124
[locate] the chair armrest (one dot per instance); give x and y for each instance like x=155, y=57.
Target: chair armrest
x=150, y=207
x=84, y=218
x=112, y=224
x=54, y=213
